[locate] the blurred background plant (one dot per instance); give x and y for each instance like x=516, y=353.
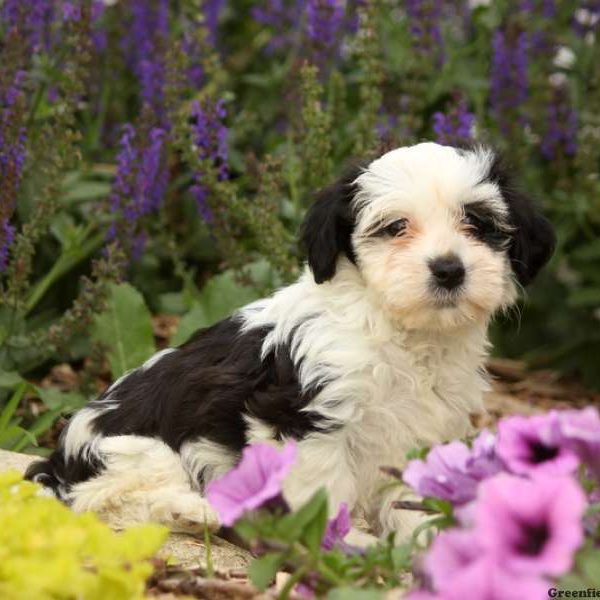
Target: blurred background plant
x=156, y=159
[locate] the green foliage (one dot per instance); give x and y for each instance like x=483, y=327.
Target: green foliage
x=125, y=329
x=262, y=570
x=48, y=552
x=292, y=542
x=221, y=295
x=13, y=435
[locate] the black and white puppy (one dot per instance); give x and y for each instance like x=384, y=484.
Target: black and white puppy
x=376, y=349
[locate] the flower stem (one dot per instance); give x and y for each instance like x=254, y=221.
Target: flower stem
x=292, y=581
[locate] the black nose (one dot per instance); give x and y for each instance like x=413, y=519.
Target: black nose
x=448, y=271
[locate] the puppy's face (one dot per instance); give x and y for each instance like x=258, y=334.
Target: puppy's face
x=439, y=235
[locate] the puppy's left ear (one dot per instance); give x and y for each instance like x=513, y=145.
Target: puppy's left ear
x=533, y=239
x=327, y=229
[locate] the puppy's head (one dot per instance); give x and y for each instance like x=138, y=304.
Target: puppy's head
x=440, y=235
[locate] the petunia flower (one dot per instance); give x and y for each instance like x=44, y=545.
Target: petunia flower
x=337, y=528
x=531, y=526
x=580, y=430
x=484, y=461
x=460, y=568
x=452, y=551
x=453, y=471
x=535, y=445
x=486, y=579
x=256, y=480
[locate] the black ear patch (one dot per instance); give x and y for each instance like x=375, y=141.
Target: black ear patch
x=533, y=239
x=327, y=229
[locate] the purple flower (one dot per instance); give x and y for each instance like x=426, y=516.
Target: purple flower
x=281, y=16
x=99, y=36
x=451, y=552
x=452, y=471
x=7, y=236
x=256, y=480
x=459, y=568
x=454, y=127
x=140, y=184
x=533, y=445
x=33, y=18
x=324, y=19
x=509, y=82
x=560, y=137
x=547, y=8
x=212, y=13
x=531, y=526
x=145, y=46
x=581, y=431
x=425, y=28
x=337, y=528
x=12, y=156
x=71, y=11
x=210, y=137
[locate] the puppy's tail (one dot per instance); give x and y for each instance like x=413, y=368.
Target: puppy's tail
x=49, y=473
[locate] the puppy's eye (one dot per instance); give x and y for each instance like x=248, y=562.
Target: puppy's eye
x=396, y=229
x=473, y=221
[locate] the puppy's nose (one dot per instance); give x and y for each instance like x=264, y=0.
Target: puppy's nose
x=448, y=271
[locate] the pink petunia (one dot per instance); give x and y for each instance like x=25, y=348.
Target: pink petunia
x=535, y=445
x=485, y=579
x=580, y=430
x=453, y=471
x=337, y=528
x=255, y=480
x=459, y=568
x=531, y=526
x=451, y=552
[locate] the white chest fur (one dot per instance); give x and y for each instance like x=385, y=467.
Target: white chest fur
x=392, y=390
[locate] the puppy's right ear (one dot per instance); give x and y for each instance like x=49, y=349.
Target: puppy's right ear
x=327, y=229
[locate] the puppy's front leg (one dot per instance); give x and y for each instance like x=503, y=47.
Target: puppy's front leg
x=323, y=463
x=401, y=522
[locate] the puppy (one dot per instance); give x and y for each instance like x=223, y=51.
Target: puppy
x=378, y=348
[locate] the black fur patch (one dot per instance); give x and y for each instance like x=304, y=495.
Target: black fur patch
x=202, y=390
x=532, y=240
x=485, y=226
x=59, y=473
x=328, y=226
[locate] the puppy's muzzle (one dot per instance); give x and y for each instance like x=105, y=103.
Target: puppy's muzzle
x=448, y=272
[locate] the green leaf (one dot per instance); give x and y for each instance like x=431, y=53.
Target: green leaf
x=195, y=319
x=65, y=401
x=315, y=529
x=39, y=426
x=11, y=435
x=246, y=529
x=87, y=190
x=221, y=296
x=589, y=565
x=441, y=506
x=11, y=406
x=262, y=570
x=125, y=328
x=584, y=297
x=401, y=557
x=347, y=593
x=10, y=379
x=292, y=527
